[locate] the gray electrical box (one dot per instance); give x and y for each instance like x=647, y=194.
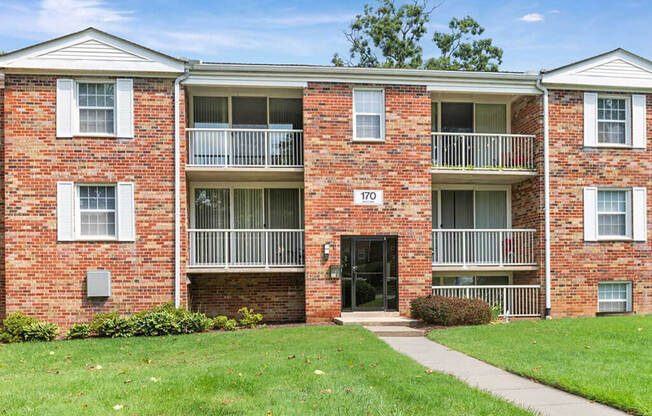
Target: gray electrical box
x=98, y=283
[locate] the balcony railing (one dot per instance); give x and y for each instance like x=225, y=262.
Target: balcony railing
x=242, y=148
x=246, y=248
x=514, y=300
x=483, y=151
x=502, y=247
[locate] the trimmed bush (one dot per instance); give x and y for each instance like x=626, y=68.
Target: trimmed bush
x=249, y=318
x=194, y=322
x=154, y=324
x=440, y=310
x=13, y=327
x=115, y=327
x=79, y=331
x=100, y=318
x=220, y=321
x=230, y=325
x=40, y=331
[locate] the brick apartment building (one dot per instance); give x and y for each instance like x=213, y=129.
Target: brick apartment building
x=131, y=178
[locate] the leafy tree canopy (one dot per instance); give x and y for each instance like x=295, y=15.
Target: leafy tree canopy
x=390, y=36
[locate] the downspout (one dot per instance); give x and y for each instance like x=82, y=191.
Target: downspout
x=546, y=193
x=177, y=192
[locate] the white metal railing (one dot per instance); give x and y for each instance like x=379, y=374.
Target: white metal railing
x=246, y=248
x=514, y=300
x=245, y=147
x=497, y=247
x=483, y=151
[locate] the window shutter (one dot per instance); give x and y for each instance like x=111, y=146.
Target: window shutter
x=65, y=204
x=639, y=214
x=65, y=92
x=126, y=217
x=125, y=107
x=639, y=126
x=590, y=119
x=590, y=214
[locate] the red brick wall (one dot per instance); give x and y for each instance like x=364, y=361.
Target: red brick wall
x=2, y=202
x=335, y=166
x=279, y=297
x=528, y=196
x=577, y=266
x=46, y=278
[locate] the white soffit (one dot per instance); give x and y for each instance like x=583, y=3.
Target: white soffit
x=616, y=69
x=90, y=50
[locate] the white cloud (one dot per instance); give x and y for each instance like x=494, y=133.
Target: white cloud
x=65, y=16
x=555, y=11
x=532, y=17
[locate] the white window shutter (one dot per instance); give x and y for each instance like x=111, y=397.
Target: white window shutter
x=639, y=125
x=65, y=206
x=639, y=214
x=125, y=107
x=590, y=214
x=126, y=215
x=65, y=93
x=590, y=119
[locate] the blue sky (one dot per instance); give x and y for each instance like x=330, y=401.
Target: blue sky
x=533, y=34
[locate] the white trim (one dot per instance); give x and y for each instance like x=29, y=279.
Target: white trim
x=77, y=211
x=628, y=300
x=627, y=121
x=381, y=114
x=76, y=128
x=628, y=215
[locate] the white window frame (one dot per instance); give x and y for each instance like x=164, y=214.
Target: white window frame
x=77, y=214
x=77, y=120
x=382, y=116
x=628, y=215
x=440, y=276
x=628, y=300
x=628, y=120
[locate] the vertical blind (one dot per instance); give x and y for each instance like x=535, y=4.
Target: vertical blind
x=210, y=112
x=249, y=112
x=490, y=209
x=286, y=113
x=491, y=118
x=283, y=208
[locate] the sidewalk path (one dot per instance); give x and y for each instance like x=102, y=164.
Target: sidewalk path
x=527, y=394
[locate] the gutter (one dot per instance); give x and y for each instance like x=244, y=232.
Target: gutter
x=546, y=193
x=177, y=192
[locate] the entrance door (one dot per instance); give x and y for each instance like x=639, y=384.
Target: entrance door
x=369, y=274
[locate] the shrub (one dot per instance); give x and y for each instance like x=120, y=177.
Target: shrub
x=115, y=327
x=14, y=327
x=249, y=318
x=100, y=318
x=194, y=322
x=364, y=292
x=79, y=331
x=230, y=325
x=220, y=321
x=154, y=324
x=495, y=311
x=40, y=331
x=440, y=310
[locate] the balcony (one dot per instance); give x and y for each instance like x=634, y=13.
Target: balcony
x=246, y=249
x=483, y=249
x=514, y=300
x=482, y=157
x=254, y=152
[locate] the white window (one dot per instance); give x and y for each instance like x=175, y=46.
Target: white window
x=369, y=114
x=614, y=296
x=614, y=213
x=613, y=120
x=96, y=103
x=97, y=211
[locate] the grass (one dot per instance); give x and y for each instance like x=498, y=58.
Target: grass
x=607, y=359
x=259, y=372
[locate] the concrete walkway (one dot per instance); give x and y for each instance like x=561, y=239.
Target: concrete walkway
x=527, y=394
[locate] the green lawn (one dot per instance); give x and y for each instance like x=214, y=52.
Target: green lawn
x=608, y=359
x=241, y=373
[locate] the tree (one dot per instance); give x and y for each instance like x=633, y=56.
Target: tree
x=390, y=36
x=459, y=51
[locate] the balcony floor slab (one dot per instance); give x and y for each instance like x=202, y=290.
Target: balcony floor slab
x=245, y=174
x=481, y=176
x=481, y=268
x=215, y=270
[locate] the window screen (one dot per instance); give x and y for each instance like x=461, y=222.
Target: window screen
x=96, y=108
x=612, y=212
x=211, y=112
x=612, y=120
x=369, y=111
x=97, y=211
x=249, y=112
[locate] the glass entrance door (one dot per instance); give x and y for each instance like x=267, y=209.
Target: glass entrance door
x=369, y=274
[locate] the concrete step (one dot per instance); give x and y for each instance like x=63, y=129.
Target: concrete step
x=374, y=314
x=376, y=321
x=395, y=331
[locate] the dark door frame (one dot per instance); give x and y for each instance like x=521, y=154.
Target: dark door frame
x=354, y=239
